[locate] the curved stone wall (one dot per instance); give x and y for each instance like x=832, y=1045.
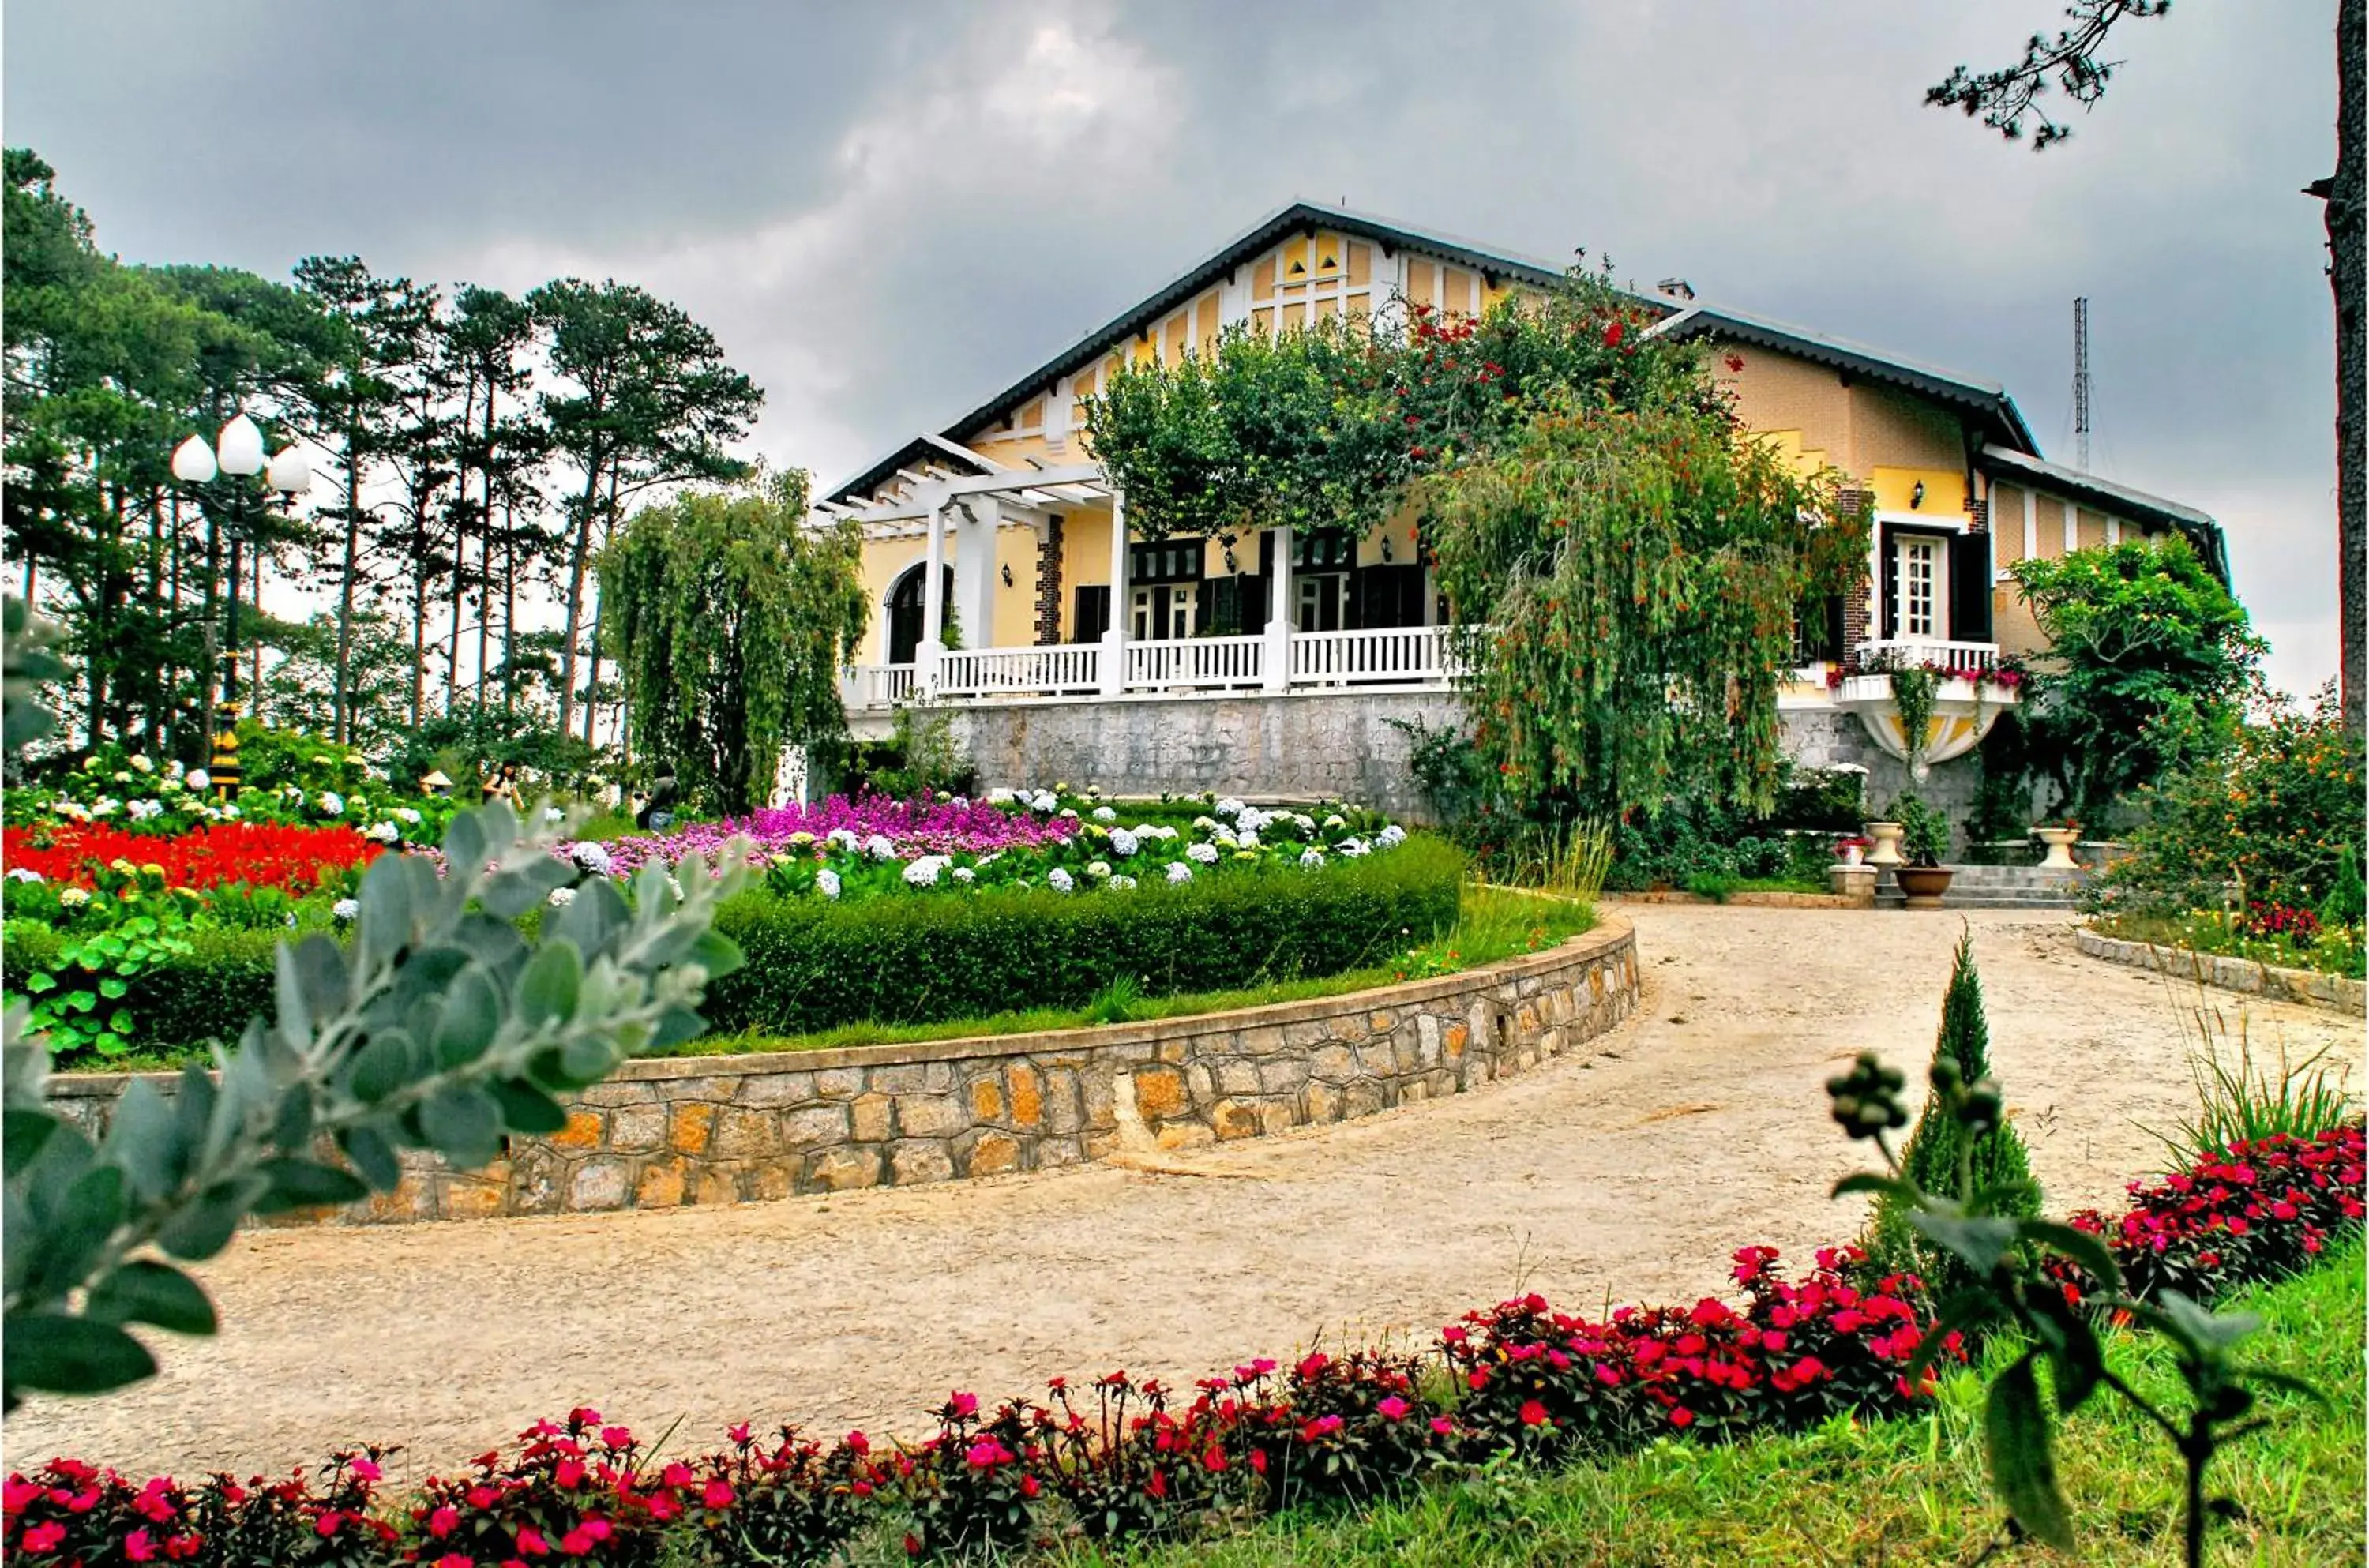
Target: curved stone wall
x=737, y=1128
x=2308, y=986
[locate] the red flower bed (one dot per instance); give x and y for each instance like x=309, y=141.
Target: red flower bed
x=2263, y=1209
x=1520, y=1376
x=258, y=853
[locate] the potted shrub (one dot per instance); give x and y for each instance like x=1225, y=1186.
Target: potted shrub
x=2059, y=834
x=1924, y=840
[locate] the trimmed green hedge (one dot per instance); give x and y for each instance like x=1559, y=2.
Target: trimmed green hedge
x=813, y=966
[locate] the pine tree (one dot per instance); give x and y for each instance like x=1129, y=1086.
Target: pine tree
x=2001, y=1167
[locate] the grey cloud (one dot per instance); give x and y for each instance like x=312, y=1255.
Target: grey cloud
x=888, y=211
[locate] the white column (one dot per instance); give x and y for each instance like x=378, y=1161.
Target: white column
x=1114, y=635
x=974, y=570
x=1281, y=609
x=934, y=603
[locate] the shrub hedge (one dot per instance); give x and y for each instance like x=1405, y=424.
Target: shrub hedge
x=813, y=964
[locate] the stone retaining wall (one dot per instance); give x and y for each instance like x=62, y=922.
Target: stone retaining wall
x=2305, y=986
x=731, y=1130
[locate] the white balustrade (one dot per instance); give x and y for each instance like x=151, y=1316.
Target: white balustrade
x=1943, y=656
x=1186, y=663
x=878, y=685
x=1386, y=656
x=1062, y=670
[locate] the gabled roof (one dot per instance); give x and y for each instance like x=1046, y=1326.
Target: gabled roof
x=1300, y=217
x=2003, y=423
x=2202, y=531
x=918, y=454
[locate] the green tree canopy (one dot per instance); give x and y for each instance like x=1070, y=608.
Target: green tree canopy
x=733, y=616
x=2149, y=664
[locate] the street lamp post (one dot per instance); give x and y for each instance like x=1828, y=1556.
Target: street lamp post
x=238, y=452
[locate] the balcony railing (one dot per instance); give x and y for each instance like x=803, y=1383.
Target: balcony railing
x=1392, y=656
x=1067, y=670
x=1197, y=664
x=1945, y=656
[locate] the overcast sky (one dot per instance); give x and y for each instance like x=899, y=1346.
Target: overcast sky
x=888, y=211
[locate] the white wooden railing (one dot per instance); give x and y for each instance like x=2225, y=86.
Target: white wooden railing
x=1947, y=656
x=1196, y=662
x=1063, y=669
x=878, y=685
x=1392, y=655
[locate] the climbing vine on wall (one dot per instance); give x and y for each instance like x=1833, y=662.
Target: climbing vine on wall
x=734, y=615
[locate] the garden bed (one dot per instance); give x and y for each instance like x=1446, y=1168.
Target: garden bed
x=720, y=1129
x=2308, y=986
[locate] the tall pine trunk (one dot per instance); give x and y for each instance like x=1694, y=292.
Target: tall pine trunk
x=2347, y=237
x=579, y=555
x=342, y=724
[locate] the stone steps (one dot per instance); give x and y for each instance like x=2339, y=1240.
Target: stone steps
x=2000, y=888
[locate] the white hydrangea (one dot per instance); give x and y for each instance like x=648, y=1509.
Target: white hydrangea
x=74, y=898
x=1105, y=813
x=1204, y=825
x=1044, y=800
x=878, y=847
x=230, y=809
x=1000, y=797
x=382, y=832
x=1070, y=812
x=122, y=777
x=1333, y=821
x=106, y=806
x=1180, y=872
x=1311, y=856
x=24, y=874
x=1228, y=806
x=1249, y=841
x=1390, y=837
x=554, y=814
x=1353, y=848
x=170, y=782
x=965, y=874
x=1305, y=823
x=141, y=810
x=841, y=839
x=141, y=764
x=407, y=815
x=562, y=897
x=1123, y=844
x=1159, y=831
x=593, y=858
x=1250, y=820
x=1122, y=883
x=1206, y=853
x=332, y=803
x=827, y=883
x=1060, y=880
x=924, y=872
x=346, y=909
x=1098, y=869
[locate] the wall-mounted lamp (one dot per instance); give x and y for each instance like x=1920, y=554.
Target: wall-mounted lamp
x=1007, y=574
x=1227, y=542
x=1386, y=549
x=1916, y=495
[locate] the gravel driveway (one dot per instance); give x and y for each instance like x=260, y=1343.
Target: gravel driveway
x=1697, y=1126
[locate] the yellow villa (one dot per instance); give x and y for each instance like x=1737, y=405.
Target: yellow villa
x=1006, y=587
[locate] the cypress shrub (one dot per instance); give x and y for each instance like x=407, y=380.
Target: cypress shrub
x=2002, y=1168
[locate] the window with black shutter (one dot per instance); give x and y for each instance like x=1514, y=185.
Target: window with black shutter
x=1090, y=612
x=1969, y=588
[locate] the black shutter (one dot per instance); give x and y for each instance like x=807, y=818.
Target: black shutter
x=1834, y=627
x=1969, y=588
x=1890, y=578
x=1252, y=595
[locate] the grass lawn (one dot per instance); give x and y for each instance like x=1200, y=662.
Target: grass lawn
x=1900, y=1492
x=1496, y=923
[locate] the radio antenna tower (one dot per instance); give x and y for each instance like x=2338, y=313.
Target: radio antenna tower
x=2081, y=380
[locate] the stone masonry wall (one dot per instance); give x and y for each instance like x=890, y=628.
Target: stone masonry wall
x=1334, y=746
x=731, y=1130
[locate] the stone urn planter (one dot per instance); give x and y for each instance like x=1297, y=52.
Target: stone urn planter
x=1886, y=837
x=1924, y=885
x=2060, y=841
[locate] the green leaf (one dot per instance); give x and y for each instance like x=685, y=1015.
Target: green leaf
x=304, y=1184
x=1869, y=1182
x=2089, y=1250
x=470, y=1018
x=145, y=1291
x=514, y=892
x=716, y=952
x=144, y=1140
x=2076, y=1361
x=37, y=982
x=374, y=1156
x=1981, y=1239
x=53, y=1353
x=204, y=1226
x=1963, y=1312
x=527, y=1109
x=2023, y=1470
x=22, y=1133
x=548, y=986
x=385, y=1066
x=466, y=1126
x=85, y=1215
x=113, y=988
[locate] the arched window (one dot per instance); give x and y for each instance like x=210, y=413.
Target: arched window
x=905, y=611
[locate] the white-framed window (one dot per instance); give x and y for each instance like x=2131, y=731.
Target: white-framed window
x=1921, y=587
